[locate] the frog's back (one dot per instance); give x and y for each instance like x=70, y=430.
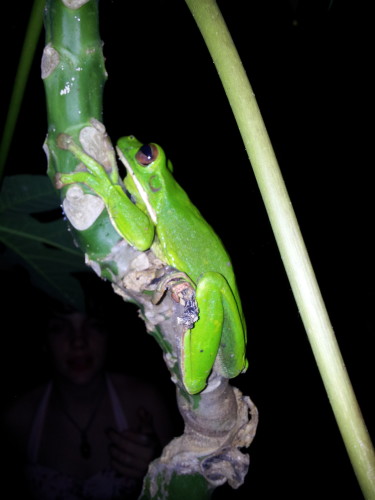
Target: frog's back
x=191, y=244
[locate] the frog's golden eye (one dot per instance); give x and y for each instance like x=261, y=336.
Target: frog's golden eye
x=146, y=154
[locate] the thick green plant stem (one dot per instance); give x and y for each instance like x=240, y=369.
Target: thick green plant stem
x=290, y=242
x=34, y=29
x=181, y=487
x=74, y=76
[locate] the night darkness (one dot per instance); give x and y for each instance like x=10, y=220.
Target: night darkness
x=308, y=63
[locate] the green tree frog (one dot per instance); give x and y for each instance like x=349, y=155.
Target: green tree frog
x=161, y=216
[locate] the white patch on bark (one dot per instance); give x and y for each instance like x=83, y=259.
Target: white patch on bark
x=81, y=209
x=96, y=143
x=124, y=255
x=50, y=60
x=74, y=4
x=66, y=89
x=95, y=266
x=127, y=260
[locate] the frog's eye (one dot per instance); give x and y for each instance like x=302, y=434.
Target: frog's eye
x=146, y=154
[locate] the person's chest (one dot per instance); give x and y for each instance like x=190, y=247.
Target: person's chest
x=76, y=443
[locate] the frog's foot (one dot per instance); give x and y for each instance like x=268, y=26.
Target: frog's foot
x=90, y=172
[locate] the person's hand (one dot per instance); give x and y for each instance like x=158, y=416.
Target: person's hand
x=132, y=451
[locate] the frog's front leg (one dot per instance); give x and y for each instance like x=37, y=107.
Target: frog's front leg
x=128, y=220
x=218, y=333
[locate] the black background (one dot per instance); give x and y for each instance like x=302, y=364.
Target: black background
x=309, y=64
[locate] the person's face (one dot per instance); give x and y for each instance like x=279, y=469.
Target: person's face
x=78, y=345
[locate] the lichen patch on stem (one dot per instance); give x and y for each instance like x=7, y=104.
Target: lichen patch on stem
x=74, y=4
x=50, y=60
x=81, y=209
x=96, y=143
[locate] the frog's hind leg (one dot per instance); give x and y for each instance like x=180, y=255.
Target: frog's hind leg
x=218, y=334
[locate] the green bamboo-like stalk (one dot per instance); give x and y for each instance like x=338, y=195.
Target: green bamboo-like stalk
x=74, y=76
x=27, y=54
x=290, y=242
x=74, y=85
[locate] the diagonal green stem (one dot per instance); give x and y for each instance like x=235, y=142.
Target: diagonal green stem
x=27, y=55
x=290, y=242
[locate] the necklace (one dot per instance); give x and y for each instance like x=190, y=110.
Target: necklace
x=85, y=446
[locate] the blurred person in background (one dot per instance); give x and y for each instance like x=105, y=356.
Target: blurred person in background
x=87, y=433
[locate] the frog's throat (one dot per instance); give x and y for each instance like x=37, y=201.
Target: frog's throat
x=141, y=191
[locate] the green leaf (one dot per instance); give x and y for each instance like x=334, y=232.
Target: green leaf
x=28, y=194
x=45, y=249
